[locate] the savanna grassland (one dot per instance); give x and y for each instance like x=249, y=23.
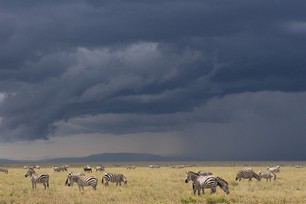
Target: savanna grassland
x=163, y=185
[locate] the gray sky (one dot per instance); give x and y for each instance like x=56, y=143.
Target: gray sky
x=214, y=79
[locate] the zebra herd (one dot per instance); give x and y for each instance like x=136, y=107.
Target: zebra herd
x=205, y=179
x=200, y=180
x=73, y=177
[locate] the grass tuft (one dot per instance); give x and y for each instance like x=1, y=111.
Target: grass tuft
x=212, y=199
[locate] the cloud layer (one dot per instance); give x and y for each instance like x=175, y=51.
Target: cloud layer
x=209, y=71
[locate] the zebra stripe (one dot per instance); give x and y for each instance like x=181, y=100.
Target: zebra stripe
x=115, y=178
x=38, y=178
x=247, y=175
x=267, y=175
x=82, y=180
x=205, y=182
x=4, y=170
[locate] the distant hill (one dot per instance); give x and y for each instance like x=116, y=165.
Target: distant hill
x=114, y=157
x=7, y=161
x=106, y=157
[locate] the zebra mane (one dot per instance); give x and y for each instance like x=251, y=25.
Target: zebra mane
x=194, y=173
x=221, y=179
x=30, y=169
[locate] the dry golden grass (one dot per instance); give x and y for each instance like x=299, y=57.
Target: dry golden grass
x=164, y=185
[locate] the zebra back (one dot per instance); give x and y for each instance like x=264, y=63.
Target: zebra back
x=204, y=173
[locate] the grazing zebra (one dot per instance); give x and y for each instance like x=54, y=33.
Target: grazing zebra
x=154, y=166
x=221, y=183
x=38, y=178
x=100, y=168
x=204, y=173
x=267, y=175
x=4, y=170
x=247, y=175
x=59, y=168
x=110, y=177
x=274, y=169
x=81, y=180
x=131, y=167
x=73, y=176
x=88, y=169
x=201, y=182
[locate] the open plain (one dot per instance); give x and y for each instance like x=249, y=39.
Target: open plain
x=160, y=185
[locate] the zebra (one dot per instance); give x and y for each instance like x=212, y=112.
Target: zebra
x=221, y=183
x=81, y=180
x=100, y=168
x=267, y=175
x=131, y=167
x=204, y=173
x=88, y=169
x=59, y=168
x=38, y=178
x=275, y=169
x=201, y=182
x=110, y=177
x=5, y=170
x=73, y=176
x=154, y=166
x=247, y=175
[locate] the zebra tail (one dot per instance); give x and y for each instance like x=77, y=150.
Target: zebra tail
x=103, y=180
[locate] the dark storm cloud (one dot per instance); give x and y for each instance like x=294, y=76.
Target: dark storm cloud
x=138, y=62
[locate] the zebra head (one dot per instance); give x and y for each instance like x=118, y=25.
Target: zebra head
x=29, y=172
x=191, y=176
x=70, y=179
x=256, y=176
x=223, y=184
x=124, y=179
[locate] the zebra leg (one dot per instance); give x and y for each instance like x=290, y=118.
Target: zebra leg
x=213, y=189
